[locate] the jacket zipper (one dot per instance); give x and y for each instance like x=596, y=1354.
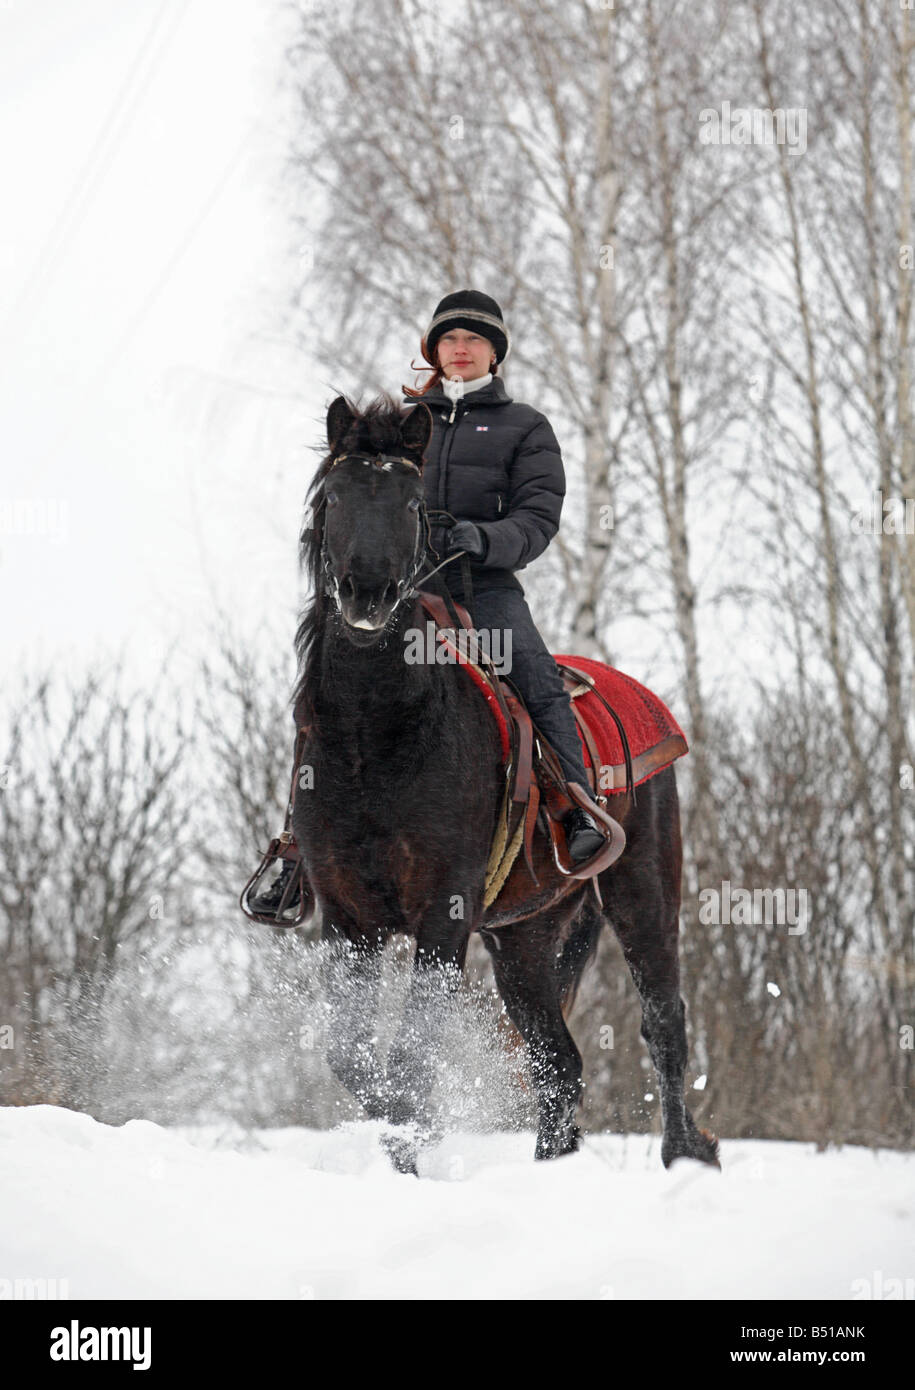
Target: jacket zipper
x=445, y=455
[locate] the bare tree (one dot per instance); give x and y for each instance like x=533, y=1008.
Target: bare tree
x=94, y=815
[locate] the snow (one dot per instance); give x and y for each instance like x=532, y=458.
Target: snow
x=143, y=1211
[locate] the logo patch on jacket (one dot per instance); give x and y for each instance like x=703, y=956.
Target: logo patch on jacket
x=482, y=427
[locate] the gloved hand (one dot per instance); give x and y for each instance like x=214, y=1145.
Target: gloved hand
x=464, y=535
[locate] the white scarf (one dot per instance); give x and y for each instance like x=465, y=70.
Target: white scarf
x=457, y=388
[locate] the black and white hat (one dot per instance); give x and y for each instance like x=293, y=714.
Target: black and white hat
x=473, y=310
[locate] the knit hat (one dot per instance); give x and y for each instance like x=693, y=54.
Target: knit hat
x=473, y=310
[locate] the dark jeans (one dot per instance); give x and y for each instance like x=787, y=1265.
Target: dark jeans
x=533, y=671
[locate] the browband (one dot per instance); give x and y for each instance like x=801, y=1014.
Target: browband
x=379, y=461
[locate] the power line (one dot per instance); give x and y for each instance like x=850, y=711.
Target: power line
x=170, y=266
x=100, y=376
x=104, y=150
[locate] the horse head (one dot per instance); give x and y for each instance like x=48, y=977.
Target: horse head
x=368, y=535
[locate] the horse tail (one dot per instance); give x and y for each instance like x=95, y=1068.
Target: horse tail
x=578, y=950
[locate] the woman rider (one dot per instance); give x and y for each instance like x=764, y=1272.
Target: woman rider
x=495, y=466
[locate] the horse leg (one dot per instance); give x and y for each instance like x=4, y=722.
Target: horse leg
x=413, y=1056
x=642, y=905
x=526, y=965
x=656, y=974
x=352, y=972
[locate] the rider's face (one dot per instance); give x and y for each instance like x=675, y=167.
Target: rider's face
x=465, y=354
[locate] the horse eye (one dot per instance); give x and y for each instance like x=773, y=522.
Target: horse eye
x=331, y=498
x=413, y=504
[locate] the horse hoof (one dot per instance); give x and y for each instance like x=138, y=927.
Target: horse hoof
x=709, y=1149
x=402, y=1153
x=558, y=1145
x=699, y=1145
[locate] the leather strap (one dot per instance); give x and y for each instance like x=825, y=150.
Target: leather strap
x=467, y=581
x=530, y=823
x=624, y=740
x=588, y=736
x=436, y=608
x=525, y=759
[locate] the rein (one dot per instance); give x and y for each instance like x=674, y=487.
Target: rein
x=461, y=555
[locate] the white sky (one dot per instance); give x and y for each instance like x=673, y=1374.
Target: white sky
x=143, y=261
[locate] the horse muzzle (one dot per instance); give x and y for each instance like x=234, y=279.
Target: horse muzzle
x=367, y=607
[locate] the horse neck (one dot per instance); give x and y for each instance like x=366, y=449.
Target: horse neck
x=375, y=683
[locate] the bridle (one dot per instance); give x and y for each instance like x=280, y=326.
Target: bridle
x=405, y=587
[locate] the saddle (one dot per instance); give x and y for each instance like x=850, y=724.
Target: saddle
x=536, y=792
x=536, y=789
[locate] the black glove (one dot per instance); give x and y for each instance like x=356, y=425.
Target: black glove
x=466, y=536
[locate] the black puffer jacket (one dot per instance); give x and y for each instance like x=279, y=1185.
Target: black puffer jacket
x=496, y=463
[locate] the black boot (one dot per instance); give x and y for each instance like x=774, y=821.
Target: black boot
x=583, y=835
x=267, y=903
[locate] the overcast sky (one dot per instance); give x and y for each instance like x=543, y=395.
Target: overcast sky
x=157, y=428
x=154, y=424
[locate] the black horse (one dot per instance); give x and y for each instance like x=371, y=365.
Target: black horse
x=397, y=799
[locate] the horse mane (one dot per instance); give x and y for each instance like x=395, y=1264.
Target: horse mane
x=375, y=430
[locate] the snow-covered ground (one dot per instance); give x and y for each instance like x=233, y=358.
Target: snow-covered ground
x=141, y=1211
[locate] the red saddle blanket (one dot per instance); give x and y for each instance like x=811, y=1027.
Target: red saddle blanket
x=655, y=738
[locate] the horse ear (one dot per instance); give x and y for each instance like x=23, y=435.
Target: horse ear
x=416, y=430
x=340, y=417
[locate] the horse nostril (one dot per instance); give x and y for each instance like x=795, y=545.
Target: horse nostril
x=390, y=592
x=348, y=588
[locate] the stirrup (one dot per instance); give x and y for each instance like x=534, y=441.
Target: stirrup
x=281, y=848
x=605, y=855
x=595, y=832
